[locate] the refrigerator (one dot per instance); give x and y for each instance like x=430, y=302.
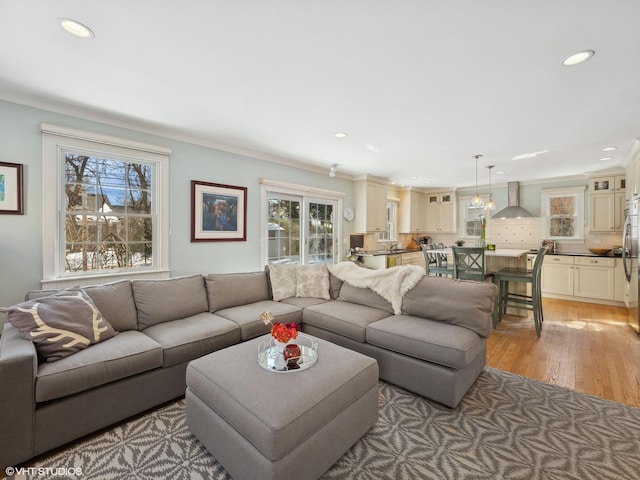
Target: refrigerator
x=630, y=261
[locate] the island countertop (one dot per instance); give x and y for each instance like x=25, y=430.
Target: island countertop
x=498, y=252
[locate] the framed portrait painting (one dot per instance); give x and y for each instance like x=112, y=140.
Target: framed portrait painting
x=11, y=200
x=218, y=212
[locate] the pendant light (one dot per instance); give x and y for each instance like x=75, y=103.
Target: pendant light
x=476, y=200
x=490, y=205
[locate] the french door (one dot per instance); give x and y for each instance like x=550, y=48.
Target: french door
x=301, y=229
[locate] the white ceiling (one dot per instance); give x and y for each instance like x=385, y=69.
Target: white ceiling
x=419, y=85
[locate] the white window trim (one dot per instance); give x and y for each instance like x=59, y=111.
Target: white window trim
x=462, y=205
x=55, y=140
x=304, y=191
x=578, y=192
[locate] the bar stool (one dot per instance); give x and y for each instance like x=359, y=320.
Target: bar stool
x=531, y=302
x=469, y=264
x=433, y=262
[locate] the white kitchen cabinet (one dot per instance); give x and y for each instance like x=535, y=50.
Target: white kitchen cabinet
x=607, y=184
x=411, y=218
x=557, y=275
x=619, y=281
x=440, y=212
x=414, y=258
x=607, y=201
x=370, y=205
x=583, y=278
x=594, y=277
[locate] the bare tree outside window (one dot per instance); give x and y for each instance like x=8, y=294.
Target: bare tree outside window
x=562, y=216
x=108, y=214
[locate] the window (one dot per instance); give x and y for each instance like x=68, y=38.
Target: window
x=564, y=213
x=106, y=206
x=392, y=222
x=301, y=224
x=472, y=218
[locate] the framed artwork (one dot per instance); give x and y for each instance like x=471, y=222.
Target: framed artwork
x=11, y=200
x=218, y=212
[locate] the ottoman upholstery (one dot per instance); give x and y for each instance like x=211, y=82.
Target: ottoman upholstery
x=261, y=424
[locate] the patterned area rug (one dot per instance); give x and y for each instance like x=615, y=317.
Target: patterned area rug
x=507, y=427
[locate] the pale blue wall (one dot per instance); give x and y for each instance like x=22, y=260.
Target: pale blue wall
x=21, y=235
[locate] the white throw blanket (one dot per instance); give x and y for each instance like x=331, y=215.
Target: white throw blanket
x=391, y=284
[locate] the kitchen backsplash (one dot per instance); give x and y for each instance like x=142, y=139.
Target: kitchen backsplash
x=522, y=233
x=516, y=233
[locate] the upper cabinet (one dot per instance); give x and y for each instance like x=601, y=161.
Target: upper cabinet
x=370, y=202
x=411, y=218
x=440, y=212
x=607, y=201
x=608, y=184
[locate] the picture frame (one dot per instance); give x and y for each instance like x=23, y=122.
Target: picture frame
x=11, y=193
x=218, y=212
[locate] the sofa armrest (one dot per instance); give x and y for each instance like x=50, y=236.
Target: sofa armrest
x=18, y=367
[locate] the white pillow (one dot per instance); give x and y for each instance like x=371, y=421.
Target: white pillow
x=283, y=281
x=312, y=281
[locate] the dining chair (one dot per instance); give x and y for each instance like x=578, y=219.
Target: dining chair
x=433, y=264
x=531, y=302
x=469, y=264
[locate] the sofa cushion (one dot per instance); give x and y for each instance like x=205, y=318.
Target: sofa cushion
x=225, y=290
x=303, y=302
x=335, y=284
x=60, y=324
x=115, y=301
x=160, y=301
x=364, y=296
x=248, y=316
x=282, y=279
x=312, y=281
x=344, y=318
x=465, y=303
x=435, y=342
x=192, y=337
x=126, y=354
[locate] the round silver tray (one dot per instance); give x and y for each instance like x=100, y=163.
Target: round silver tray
x=270, y=356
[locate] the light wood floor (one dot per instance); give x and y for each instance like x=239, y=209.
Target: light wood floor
x=583, y=346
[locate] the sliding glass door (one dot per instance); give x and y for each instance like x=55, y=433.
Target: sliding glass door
x=300, y=229
x=320, y=239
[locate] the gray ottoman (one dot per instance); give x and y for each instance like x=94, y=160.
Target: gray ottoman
x=268, y=425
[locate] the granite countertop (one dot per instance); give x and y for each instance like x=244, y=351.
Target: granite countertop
x=583, y=254
x=375, y=253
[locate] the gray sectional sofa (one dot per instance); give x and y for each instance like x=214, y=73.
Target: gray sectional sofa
x=435, y=347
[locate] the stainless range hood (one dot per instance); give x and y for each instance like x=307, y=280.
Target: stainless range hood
x=513, y=210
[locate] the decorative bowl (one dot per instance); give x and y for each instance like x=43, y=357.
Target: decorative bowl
x=599, y=250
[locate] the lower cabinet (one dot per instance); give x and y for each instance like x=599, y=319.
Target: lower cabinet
x=585, y=278
x=416, y=258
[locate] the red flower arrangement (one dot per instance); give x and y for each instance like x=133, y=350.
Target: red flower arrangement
x=282, y=332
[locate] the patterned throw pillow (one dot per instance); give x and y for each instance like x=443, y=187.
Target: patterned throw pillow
x=60, y=324
x=283, y=281
x=312, y=281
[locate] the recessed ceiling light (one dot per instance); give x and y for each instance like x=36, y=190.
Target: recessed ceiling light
x=501, y=172
x=76, y=28
x=340, y=134
x=609, y=149
x=577, y=58
x=413, y=177
x=604, y=159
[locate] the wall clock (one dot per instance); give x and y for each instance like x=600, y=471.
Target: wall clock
x=348, y=214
